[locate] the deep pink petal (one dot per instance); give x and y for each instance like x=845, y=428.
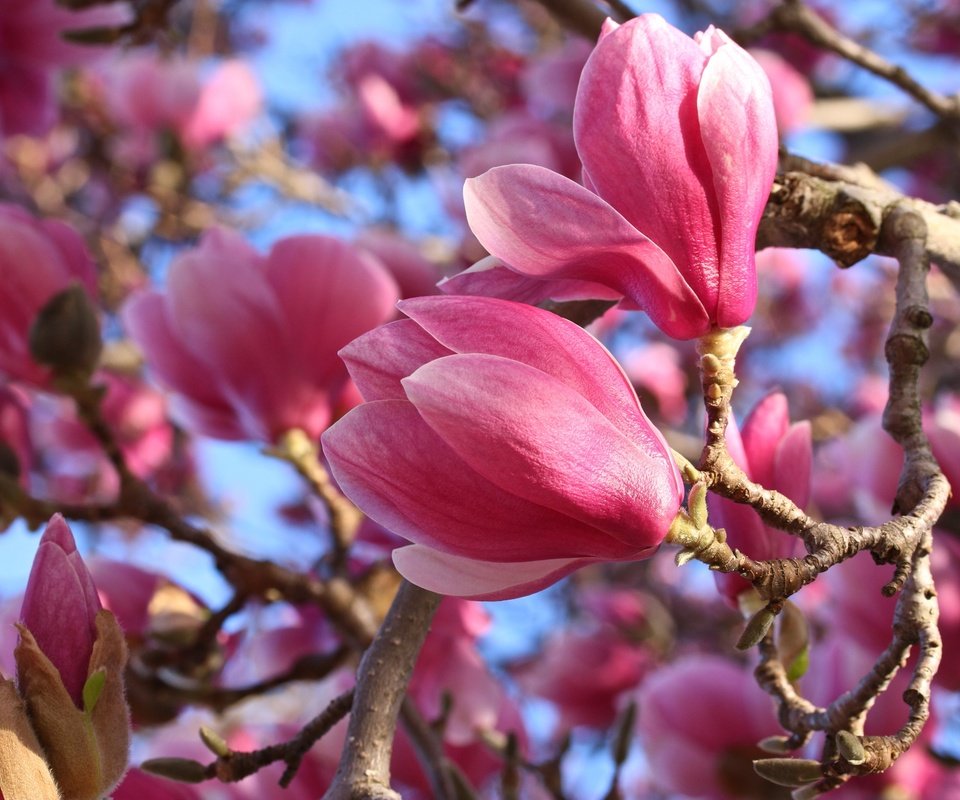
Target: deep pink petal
x=764, y=428
x=637, y=133
x=455, y=575
x=378, y=360
x=528, y=433
x=401, y=474
x=793, y=464
x=739, y=134
x=330, y=292
x=547, y=342
x=546, y=226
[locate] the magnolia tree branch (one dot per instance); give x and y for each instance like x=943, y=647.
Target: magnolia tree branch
x=364, y=770
x=793, y=16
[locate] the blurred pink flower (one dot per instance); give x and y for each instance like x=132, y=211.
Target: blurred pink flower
x=700, y=719
x=550, y=79
x=655, y=367
x=777, y=455
x=38, y=259
x=33, y=48
x=60, y=604
x=503, y=440
x=15, y=430
x=679, y=146
x=584, y=674
x=75, y=465
x=792, y=93
x=248, y=343
x=228, y=102
x=414, y=274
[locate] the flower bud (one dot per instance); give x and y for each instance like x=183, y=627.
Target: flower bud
x=65, y=335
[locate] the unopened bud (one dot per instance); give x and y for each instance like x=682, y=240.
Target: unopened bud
x=184, y=770
x=214, y=742
x=780, y=745
x=788, y=771
x=65, y=335
x=850, y=748
x=756, y=628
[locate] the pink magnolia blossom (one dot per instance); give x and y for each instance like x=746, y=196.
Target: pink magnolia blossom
x=414, y=274
x=75, y=465
x=60, y=604
x=584, y=674
x=505, y=442
x=699, y=721
x=33, y=48
x=38, y=259
x=249, y=343
x=777, y=455
x=679, y=145
x=228, y=102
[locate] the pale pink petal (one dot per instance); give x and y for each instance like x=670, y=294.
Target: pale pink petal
x=739, y=135
x=534, y=437
x=545, y=225
x=637, y=132
x=378, y=360
x=392, y=465
x=455, y=575
x=228, y=102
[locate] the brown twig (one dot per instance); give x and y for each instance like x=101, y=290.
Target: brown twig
x=364, y=770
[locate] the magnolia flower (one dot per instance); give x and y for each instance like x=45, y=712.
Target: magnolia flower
x=249, y=343
x=505, y=442
x=777, y=455
x=38, y=259
x=679, y=147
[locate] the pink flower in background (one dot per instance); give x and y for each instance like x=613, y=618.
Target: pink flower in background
x=74, y=463
x=229, y=101
x=679, y=146
x=146, y=92
x=33, y=49
x=792, y=94
x=38, y=259
x=699, y=721
x=777, y=455
x=414, y=274
x=550, y=79
x=505, y=442
x=15, y=431
x=248, y=343
x=857, y=473
x=60, y=604
x=655, y=367
x=584, y=674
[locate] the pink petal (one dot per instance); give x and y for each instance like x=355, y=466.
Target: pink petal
x=544, y=225
x=793, y=464
x=528, y=433
x=547, y=342
x=489, y=278
x=739, y=136
x=764, y=428
x=401, y=474
x=145, y=318
x=330, y=292
x=450, y=574
x=379, y=359
x=637, y=133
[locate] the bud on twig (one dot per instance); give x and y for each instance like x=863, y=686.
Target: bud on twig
x=183, y=770
x=788, y=771
x=65, y=336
